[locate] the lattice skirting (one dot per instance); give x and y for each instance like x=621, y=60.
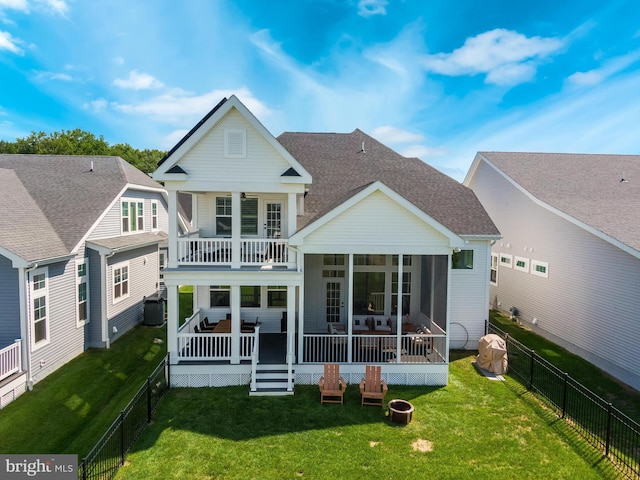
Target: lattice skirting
x=12, y=390
x=196, y=380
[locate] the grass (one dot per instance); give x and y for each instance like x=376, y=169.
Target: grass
x=472, y=428
x=623, y=397
x=70, y=409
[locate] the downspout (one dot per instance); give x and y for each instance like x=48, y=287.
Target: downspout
x=103, y=297
x=24, y=316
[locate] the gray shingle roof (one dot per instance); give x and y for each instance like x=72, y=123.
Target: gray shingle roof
x=585, y=186
x=61, y=198
x=340, y=169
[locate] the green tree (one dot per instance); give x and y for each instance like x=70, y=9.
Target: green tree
x=80, y=142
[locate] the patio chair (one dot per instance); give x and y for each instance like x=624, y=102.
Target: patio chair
x=372, y=387
x=331, y=384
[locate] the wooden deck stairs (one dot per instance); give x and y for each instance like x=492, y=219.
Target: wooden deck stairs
x=271, y=379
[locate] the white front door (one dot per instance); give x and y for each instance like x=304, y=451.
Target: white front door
x=334, y=300
x=273, y=220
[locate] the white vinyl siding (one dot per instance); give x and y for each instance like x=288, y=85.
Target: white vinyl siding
x=39, y=295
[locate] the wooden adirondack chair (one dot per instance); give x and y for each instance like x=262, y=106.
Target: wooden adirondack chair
x=332, y=385
x=372, y=387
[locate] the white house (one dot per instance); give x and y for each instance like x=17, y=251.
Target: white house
x=81, y=245
x=303, y=245
x=569, y=259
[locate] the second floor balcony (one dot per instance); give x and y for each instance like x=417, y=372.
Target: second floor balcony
x=235, y=253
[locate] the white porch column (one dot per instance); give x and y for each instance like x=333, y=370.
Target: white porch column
x=235, y=324
x=350, y=309
x=173, y=229
x=291, y=320
x=236, y=227
x=172, y=322
x=292, y=210
x=301, y=312
x=447, y=316
x=24, y=326
x=399, y=293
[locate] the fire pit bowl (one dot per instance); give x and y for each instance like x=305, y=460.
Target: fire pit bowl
x=400, y=411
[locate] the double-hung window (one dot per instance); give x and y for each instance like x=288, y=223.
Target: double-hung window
x=132, y=216
x=120, y=281
x=39, y=290
x=154, y=215
x=223, y=216
x=82, y=287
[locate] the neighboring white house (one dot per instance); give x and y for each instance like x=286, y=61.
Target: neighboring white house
x=80, y=248
x=569, y=259
x=314, y=236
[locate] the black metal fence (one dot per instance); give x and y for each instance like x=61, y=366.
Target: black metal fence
x=599, y=422
x=107, y=456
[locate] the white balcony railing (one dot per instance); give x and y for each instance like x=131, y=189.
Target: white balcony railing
x=219, y=251
x=10, y=360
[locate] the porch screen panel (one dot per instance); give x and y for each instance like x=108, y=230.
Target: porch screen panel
x=368, y=293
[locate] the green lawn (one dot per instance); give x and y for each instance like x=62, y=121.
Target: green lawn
x=620, y=395
x=472, y=428
x=69, y=411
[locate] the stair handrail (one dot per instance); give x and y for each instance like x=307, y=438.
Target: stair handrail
x=254, y=358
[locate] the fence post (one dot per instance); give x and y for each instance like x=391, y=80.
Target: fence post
x=608, y=439
x=533, y=353
x=168, y=370
x=564, y=393
x=83, y=467
x=122, y=447
x=149, y=399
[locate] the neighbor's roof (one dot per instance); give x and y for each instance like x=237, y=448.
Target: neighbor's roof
x=49, y=202
x=340, y=169
x=587, y=187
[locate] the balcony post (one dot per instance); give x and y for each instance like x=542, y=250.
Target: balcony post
x=173, y=229
x=235, y=324
x=236, y=227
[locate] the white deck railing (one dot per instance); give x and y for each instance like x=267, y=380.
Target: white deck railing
x=10, y=360
x=213, y=346
x=219, y=251
x=414, y=348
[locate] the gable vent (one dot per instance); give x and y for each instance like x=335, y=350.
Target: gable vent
x=235, y=143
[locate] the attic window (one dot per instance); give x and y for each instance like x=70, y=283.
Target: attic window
x=235, y=143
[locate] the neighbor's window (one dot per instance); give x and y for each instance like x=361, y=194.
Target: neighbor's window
x=277, y=296
x=521, y=264
x=39, y=306
x=250, y=296
x=219, y=296
x=132, y=216
x=120, y=281
x=82, y=282
x=493, y=276
x=506, y=260
x=540, y=269
x=368, y=293
x=223, y=216
x=154, y=215
x=462, y=260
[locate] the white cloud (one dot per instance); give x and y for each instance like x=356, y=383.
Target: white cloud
x=7, y=42
x=367, y=8
x=40, y=75
x=21, y=5
x=393, y=135
x=118, y=61
x=610, y=68
x=182, y=108
x=59, y=7
x=138, y=81
x=506, y=57
x=423, y=151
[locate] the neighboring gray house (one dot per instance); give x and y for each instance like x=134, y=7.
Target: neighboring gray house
x=569, y=259
x=81, y=242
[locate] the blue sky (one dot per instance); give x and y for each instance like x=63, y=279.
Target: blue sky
x=435, y=79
